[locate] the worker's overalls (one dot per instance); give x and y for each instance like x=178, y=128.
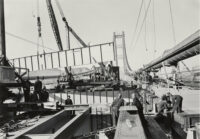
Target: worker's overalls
x=177, y=104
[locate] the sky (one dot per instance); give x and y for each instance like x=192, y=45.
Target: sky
x=96, y=20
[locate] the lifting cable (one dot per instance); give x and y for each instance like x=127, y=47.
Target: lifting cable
x=39, y=29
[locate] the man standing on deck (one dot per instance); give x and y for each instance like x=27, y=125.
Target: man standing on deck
x=26, y=88
x=119, y=101
x=68, y=101
x=176, y=102
x=38, y=88
x=139, y=106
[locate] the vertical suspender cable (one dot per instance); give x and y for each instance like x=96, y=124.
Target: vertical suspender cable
x=173, y=29
x=154, y=28
x=145, y=31
x=136, y=26
x=146, y=12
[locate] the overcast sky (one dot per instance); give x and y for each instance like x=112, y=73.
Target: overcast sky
x=96, y=20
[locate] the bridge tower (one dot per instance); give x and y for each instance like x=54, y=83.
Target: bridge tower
x=120, y=57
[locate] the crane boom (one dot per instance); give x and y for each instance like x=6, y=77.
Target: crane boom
x=77, y=37
x=54, y=24
x=68, y=27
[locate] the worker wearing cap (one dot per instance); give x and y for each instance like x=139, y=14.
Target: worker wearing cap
x=119, y=101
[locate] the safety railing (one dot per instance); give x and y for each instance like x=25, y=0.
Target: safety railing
x=91, y=97
x=72, y=57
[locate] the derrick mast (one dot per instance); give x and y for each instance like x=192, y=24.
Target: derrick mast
x=2, y=35
x=54, y=24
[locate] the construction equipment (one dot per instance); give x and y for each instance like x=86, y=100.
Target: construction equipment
x=54, y=24
x=68, y=28
x=6, y=72
x=56, y=29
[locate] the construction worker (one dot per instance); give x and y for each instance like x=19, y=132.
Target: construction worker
x=164, y=116
x=45, y=94
x=70, y=79
x=68, y=101
x=38, y=88
x=136, y=102
x=58, y=86
x=162, y=105
x=176, y=102
x=26, y=88
x=117, y=103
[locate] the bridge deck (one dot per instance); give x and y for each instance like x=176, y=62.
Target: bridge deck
x=154, y=129
x=129, y=125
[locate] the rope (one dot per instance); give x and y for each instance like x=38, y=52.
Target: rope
x=26, y=40
x=143, y=22
x=136, y=26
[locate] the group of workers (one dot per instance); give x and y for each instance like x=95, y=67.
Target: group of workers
x=168, y=103
x=40, y=92
x=119, y=101
x=104, y=73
